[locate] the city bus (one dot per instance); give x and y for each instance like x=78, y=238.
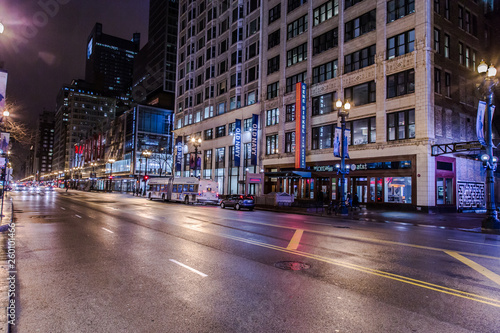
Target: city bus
x=158, y=188
x=184, y=189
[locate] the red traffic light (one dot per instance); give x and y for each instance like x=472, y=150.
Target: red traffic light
x=145, y=178
x=110, y=177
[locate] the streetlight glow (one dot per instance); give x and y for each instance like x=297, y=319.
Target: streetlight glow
x=482, y=68
x=6, y=113
x=492, y=71
x=2, y=28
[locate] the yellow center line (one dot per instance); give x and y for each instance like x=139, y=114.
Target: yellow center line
x=475, y=266
x=396, y=277
x=294, y=243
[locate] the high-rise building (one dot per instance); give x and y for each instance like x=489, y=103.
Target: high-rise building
x=44, y=143
x=80, y=109
x=110, y=62
x=408, y=68
x=155, y=65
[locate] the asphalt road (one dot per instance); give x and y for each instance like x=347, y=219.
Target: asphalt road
x=101, y=262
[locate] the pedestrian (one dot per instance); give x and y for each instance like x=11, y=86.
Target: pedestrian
x=355, y=201
x=348, y=201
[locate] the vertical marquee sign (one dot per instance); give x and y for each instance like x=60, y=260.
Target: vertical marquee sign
x=300, y=125
x=255, y=138
x=178, y=159
x=3, y=89
x=237, y=143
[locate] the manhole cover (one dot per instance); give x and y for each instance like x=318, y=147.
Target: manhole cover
x=292, y=265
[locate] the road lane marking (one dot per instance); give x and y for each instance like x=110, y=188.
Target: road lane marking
x=475, y=266
x=108, y=230
x=191, y=269
x=63, y=208
x=294, y=243
x=464, y=241
x=400, y=278
x=360, y=238
x=78, y=216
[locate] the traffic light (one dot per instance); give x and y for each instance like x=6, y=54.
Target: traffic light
x=145, y=178
x=110, y=177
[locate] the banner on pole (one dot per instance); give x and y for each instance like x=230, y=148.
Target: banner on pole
x=481, y=108
x=237, y=143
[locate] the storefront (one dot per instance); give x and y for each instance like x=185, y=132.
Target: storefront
x=380, y=182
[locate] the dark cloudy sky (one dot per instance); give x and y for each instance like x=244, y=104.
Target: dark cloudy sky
x=43, y=46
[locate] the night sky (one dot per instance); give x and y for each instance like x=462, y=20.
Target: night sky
x=44, y=48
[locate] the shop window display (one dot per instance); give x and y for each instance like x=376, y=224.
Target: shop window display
x=397, y=189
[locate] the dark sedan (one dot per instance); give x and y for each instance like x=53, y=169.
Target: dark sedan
x=238, y=201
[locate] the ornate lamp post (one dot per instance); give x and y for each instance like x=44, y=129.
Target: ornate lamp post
x=111, y=161
x=343, y=112
x=491, y=221
x=196, y=143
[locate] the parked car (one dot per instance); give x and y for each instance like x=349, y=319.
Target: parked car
x=238, y=201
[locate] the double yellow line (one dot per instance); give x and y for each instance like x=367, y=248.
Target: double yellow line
x=396, y=277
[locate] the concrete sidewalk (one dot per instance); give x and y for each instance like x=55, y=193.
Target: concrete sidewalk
x=470, y=221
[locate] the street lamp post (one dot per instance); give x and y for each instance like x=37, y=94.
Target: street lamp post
x=92, y=175
x=343, y=112
x=111, y=161
x=146, y=154
x=196, y=143
x=491, y=221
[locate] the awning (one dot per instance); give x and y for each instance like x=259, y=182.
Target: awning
x=289, y=174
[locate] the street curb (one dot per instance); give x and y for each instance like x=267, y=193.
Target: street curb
x=4, y=284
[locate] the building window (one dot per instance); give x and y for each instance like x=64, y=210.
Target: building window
x=296, y=55
x=290, y=113
x=247, y=125
x=221, y=87
x=272, y=117
x=208, y=134
x=401, y=125
x=400, y=84
x=361, y=94
x=235, y=80
x=437, y=81
x=291, y=81
x=360, y=25
x=363, y=131
x=467, y=22
x=460, y=17
x=437, y=40
x=252, y=97
x=234, y=102
x=297, y=27
x=220, y=131
x=397, y=9
x=325, y=72
x=461, y=53
x=252, y=74
x=447, y=84
x=236, y=35
x=292, y=4
x=275, y=13
x=253, y=27
x=350, y=3
x=323, y=104
x=322, y=137
x=446, y=46
x=326, y=11
x=207, y=159
x=220, y=158
x=359, y=59
x=467, y=57
x=273, y=39
x=273, y=65
x=437, y=6
x=272, y=144
x=326, y=41
x=272, y=90
x=209, y=112
x=221, y=108
x=401, y=44
x=252, y=50
x=236, y=57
